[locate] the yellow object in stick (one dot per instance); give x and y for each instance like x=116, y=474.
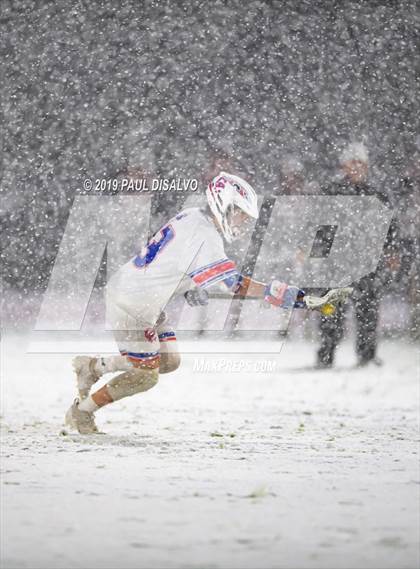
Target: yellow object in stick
x=328, y=310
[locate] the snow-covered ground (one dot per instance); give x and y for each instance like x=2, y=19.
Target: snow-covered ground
x=288, y=468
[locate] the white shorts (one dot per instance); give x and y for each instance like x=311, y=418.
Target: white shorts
x=140, y=341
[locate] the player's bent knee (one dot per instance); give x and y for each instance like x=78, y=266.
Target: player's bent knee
x=169, y=362
x=131, y=382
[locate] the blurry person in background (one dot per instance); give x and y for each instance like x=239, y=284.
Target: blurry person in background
x=292, y=179
x=219, y=161
x=291, y=176
x=407, y=210
x=293, y=182
x=133, y=180
x=353, y=181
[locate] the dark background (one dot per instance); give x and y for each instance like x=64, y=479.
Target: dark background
x=91, y=88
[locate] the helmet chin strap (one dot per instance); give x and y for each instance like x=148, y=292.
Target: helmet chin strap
x=227, y=231
x=230, y=232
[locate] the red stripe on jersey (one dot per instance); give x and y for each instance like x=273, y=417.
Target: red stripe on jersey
x=213, y=272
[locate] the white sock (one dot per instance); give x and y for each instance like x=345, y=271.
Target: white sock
x=88, y=405
x=112, y=363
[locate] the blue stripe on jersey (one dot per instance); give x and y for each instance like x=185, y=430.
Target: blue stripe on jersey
x=166, y=335
x=140, y=356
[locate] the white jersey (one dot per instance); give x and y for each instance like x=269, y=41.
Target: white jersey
x=188, y=251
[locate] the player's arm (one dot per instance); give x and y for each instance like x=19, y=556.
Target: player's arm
x=278, y=295
x=275, y=292
x=224, y=271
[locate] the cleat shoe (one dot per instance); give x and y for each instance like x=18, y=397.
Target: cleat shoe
x=363, y=362
x=82, y=421
x=323, y=365
x=84, y=367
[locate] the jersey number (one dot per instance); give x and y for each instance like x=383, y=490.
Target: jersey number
x=154, y=247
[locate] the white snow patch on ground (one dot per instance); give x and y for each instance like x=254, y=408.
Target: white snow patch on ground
x=289, y=469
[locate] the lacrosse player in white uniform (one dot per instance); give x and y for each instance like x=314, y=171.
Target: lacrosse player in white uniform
x=185, y=257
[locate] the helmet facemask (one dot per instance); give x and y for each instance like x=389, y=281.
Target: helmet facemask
x=238, y=221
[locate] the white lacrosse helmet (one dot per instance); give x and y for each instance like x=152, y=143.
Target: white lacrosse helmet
x=225, y=192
